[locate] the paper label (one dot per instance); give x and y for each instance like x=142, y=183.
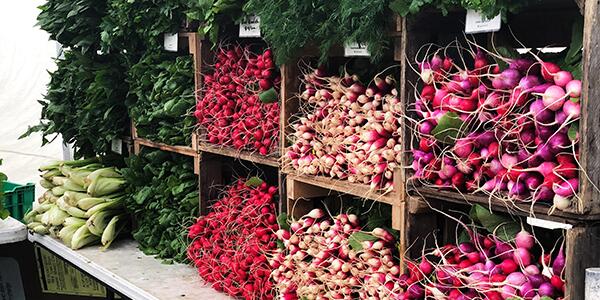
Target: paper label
x=117, y=146
x=547, y=224
x=59, y=277
x=11, y=286
x=250, y=26
x=171, y=40
x=477, y=23
x=356, y=49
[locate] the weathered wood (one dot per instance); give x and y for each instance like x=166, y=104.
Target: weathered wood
x=582, y=244
x=211, y=176
x=241, y=155
x=590, y=107
x=298, y=198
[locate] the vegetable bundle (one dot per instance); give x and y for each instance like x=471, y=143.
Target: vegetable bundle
x=347, y=130
x=85, y=103
x=163, y=199
x=510, y=132
x=4, y=213
x=74, y=24
x=484, y=264
x=231, y=243
x=83, y=204
x=334, y=259
x=163, y=85
x=239, y=105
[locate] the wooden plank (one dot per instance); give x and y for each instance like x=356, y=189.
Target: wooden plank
x=581, y=252
x=590, y=107
x=184, y=150
x=242, y=155
x=297, y=205
x=211, y=176
x=289, y=102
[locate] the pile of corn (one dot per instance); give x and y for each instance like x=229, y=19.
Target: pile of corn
x=84, y=203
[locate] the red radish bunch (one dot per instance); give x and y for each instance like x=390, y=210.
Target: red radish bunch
x=510, y=133
x=318, y=261
x=231, y=243
x=486, y=268
x=347, y=130
x=239, y=106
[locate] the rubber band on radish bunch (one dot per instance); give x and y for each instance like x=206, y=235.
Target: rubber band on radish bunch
x=347, y=130
x=230, y=244
x=506, y=129
x=239, y=106
x=331, y=258
x=492, y=259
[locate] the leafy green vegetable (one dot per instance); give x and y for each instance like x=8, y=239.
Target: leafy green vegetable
x=504, y=228
x=74, y=24
x=4, y=213
x=355, y=240
x=488, y=8
x=85, y=103
x=448, y=128
x=213, y=14
x=163, y=198
x=290, y=25
x=282, y=221
x=163, y=87
x=138, y=25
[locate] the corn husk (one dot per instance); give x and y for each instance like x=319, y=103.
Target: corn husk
x=76, y=212
x=51, y=174
x=98, y=221
x=79, y=163
x=70, y=221
x=112, y=230
x=50, y=197
x=40, y=229
x=62, y=203
x=105, y=186
x=87, y=203
x=83, y=237
x=53, y=231
x=111, y=205
x=78, y=176
x=58, y=180
x=109, y=172
x=58, y=191
x=69, y=185
x=32, y=225
x=42, y=208
x=30, y=216
x=67, y=232
x=47, y=184
x=51, y=166
x=54, y=216
x=72, y=198
x=65, y=170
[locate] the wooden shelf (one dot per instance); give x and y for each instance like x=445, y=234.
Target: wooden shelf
x=242, y=155
x=130, y=272
x=184, y=150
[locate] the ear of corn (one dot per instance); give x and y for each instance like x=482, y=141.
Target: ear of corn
x=58, y=191
x=110, y=172
x=49, y=167
x=45, y=183
x=72, y=198
x=67, y=232
x=69, y=185
x=87, y=203
x=73, y=221
x=58, y=180
x=62, y=203
x=112, y=205
x=51, y=174
x=83, y=237
x=98, y=221
x=101, y=186
x=112, y=230
x=76, y=212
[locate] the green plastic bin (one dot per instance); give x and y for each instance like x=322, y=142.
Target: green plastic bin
x=18, y=198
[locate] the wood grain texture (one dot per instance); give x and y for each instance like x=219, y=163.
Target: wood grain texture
x=240, y=155
x=582, y=244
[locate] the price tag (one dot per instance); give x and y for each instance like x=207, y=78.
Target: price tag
x=477, y=23
x=117, y=146
x=547, y=224
x=171, y=41
x=356, y=49
x=250, y=26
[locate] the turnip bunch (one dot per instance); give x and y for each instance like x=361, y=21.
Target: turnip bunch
x=486, y=267
x=509, y=132
x=347, y=130
x=326, y=258
x=230, y=244
x=239, y=106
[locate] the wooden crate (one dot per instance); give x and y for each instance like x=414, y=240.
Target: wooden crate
x=431, y=27
x=301, y=190
x=423, y=220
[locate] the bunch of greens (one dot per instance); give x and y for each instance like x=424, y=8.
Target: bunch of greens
x=290, y=25
x=4, y=213
x=488, y=8
x=212, y=14
x=73, y=23
x=163, y=87
x=163, y=198
x=85, y=103
x=135, y=26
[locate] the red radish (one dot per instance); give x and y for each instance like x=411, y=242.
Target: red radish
x=554, y=97
x=573, y=88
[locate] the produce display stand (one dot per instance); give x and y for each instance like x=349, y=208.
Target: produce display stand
x=131, y=273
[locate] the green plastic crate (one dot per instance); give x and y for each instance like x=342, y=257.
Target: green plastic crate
x=18, y=198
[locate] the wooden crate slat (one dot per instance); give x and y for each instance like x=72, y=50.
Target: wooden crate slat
x=243, y=155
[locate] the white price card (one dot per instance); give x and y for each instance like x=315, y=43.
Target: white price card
x=250, y=26
x=117, y=146
x=356, y=49
x=171, y=40
x=547, y=224
x=477, y=23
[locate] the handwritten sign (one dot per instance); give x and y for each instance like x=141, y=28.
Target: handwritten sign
x=477, y=23
x=250, y=26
